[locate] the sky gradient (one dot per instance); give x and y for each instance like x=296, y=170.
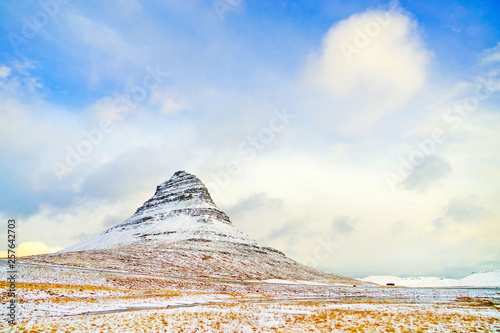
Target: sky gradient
x=358, y=137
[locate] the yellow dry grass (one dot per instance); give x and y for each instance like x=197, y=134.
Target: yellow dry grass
x=282, y=317
x=465, y=315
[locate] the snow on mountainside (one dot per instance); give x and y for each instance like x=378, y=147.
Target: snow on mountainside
x=181, y=232
x=180, y=209
x=476, y=279
x=482, y=279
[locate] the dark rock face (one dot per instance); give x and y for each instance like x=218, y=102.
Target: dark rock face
x=182, y=187
x=185, y=190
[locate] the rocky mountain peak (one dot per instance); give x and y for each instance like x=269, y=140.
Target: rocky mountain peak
x=180, y=232
x=181, y=189
x=180, y=209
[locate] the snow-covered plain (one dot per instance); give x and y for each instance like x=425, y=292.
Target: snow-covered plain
x=66, y=299
x=474, y=280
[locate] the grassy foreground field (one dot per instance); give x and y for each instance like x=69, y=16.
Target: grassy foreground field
x=66, y=300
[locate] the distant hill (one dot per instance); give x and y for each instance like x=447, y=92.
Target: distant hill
x=476, y=279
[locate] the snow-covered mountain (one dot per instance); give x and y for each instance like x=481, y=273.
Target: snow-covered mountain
x=181, y=232
x=181, y=209
x=476, y=279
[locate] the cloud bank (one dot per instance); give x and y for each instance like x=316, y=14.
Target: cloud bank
x=368, y=92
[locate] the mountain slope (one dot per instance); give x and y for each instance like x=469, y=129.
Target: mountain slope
x=181, y=232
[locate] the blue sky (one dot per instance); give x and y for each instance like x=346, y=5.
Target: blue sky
x=277, y=36
x=390, y=150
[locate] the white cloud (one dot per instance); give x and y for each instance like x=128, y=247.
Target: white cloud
x=106, y=52
x=17, y=79
x=369, y=64
x=492, y=55
x=495, y=57
x=4, y=71
x=166, y=101
x=312, y=189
